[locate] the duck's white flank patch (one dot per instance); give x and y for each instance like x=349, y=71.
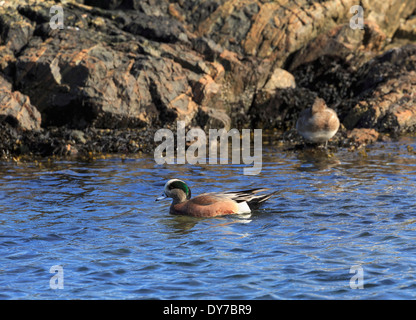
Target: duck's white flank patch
x=243, y=207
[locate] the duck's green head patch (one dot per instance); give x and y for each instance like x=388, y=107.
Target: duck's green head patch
x=179, y=184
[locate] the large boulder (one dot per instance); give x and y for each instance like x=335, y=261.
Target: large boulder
x=133, y=72
x=385, y=93
x=16, y=109
x=15, y=30
x=276, y=29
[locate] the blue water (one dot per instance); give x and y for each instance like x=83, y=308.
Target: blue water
x=99, y=222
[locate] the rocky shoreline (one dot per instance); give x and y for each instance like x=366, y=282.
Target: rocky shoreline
x=119, y=71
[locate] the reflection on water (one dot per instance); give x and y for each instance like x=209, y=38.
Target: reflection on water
x=99, y=221
x=317, y=159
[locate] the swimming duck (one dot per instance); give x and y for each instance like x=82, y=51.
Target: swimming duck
x=211, y=204
x=319, y=123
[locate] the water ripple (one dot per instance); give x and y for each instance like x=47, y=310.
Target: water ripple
x=100, y=223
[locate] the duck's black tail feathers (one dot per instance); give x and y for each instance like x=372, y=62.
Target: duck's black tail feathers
x=249, y=196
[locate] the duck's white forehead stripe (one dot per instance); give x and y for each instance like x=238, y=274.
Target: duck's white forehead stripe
x=166, y=186
x=173, y=180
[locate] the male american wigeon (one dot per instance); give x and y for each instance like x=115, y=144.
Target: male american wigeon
x=319, y=123
x=211, y=204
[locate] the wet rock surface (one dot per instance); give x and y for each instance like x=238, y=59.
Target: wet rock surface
x=119, y=70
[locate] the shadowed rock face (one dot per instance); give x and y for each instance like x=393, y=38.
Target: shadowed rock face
x=229, y=63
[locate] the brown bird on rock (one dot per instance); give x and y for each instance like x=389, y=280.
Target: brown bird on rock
x=319, y=123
